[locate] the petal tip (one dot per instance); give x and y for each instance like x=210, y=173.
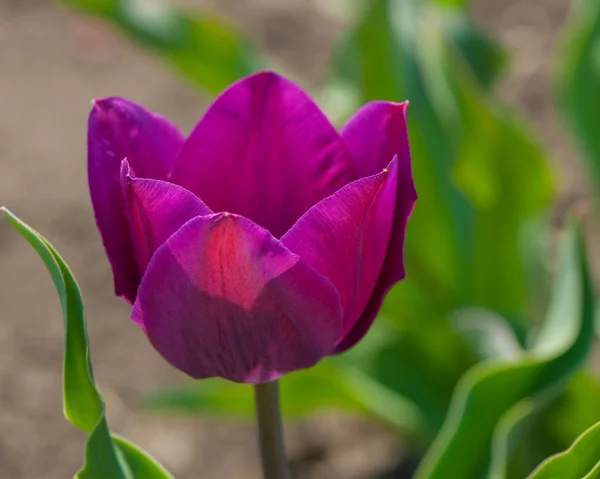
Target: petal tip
x=98, y=103
x=266, y=75
x=400, y=107
x=125, y=171
x=103, y=105
x=113, y=108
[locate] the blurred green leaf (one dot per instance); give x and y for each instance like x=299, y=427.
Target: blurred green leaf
x=298, y=397
x=202, y=49
x=481, y=178
x=511, y=434
x=579, y=78
x=328, y=385
x=556, y=420
x=453, y=3
x=417, y=363
x=503, y=172
x=491, y=389
x=575, y=410
x=580, y=461
x=484, y=57
x=380, y=57
x=83, y=404
x=487, y=333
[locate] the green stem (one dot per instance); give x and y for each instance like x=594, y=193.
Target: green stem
x=270, y=431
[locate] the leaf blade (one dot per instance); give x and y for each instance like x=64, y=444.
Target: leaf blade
x=82, y=402
x=490, y=389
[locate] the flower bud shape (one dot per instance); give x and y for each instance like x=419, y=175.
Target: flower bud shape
x=264, y=241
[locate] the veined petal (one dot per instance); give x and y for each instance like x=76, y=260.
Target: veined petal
x=119, y=129
x=375, y=134
x=393, y=267
x=156, y=209
x=223, y=297
x=345, y=237
x=264, y=150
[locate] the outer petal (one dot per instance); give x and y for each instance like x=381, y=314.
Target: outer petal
x=120, y=129
x=222, y=297
x=345, y=237
x=156, y=209
x=393, y=268
x=375, y=134
x=264, y=150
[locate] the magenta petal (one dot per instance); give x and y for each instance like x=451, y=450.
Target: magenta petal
x=375, y=134
x=223, y=297
x=119, y=129
x=345, y=237
x=156, y=209
x=393, y=267
x=264, y=150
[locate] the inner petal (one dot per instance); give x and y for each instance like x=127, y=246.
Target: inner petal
x=264, y=150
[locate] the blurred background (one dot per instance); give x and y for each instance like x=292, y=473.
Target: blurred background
x=54, y=59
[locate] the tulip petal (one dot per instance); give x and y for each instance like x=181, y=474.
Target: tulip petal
x=264, y=150
x=223, y=297
x=393, y=267
x=345, y=238
x=156, y=209
x=375, y=134
x=119, y=129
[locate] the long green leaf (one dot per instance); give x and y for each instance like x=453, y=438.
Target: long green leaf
x=536, y=428
x=575, y=410
x=490, y=389
x=580, y=461
x=83, y=404
x=509, y=435
x=202, y=49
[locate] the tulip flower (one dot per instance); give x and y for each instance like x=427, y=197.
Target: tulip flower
x=264, y=241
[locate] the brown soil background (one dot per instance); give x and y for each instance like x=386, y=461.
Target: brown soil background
x=52, y=63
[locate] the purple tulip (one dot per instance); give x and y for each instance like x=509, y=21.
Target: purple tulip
x=264, y=241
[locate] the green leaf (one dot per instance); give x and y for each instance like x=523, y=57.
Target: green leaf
x=141, y=464
x=491, y=389
x=580, y=461
x=216, y=396
x=202, y=49
x=330, y=384
x=83, y=404
x=452, y=3
x=480, y=183
x=484, y=57
x=411, y=50
x=496, y=156
x=509, y=435
x=575, y=410
x=488, y=334
x=421, y=364
x=579, y=78
x=102, y=458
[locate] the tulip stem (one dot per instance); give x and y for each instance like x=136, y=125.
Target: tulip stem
x=270, y=431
